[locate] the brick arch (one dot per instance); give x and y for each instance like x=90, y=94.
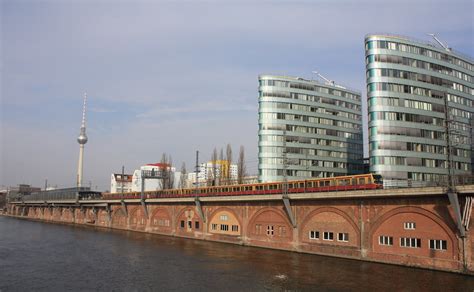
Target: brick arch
x=119, y=218
x=46, y=213
x=226, y=209
x=90, y=217
x=411, y=209
x=140, y=221
x=159, y=209
x=334, y=210
x=453, y=249
x=80, y=218
x=279, y=212
x=57, y=212
x=32, y=212
x=195, y=217
x=215, y=225
x=187, y=208
x=161, y=215
x=102, y=219
x=69, y=213
x=261, y=234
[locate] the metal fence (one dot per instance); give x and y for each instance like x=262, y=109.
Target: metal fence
x=459, y=180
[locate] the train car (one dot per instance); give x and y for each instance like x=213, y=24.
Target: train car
x=340, y=183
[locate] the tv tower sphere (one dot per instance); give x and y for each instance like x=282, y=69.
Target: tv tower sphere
x=82, y=139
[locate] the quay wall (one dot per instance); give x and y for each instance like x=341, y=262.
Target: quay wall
x=356, y=225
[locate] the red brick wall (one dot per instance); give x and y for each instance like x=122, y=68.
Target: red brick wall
x=161, y=220
x=266, y=224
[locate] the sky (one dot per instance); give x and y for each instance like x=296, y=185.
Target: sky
x=175, y=76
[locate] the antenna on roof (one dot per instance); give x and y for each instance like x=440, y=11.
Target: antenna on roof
x=331, y=82
x=439, y=42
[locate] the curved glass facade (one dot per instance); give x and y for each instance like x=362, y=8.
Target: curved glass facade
x=409, y=87
x=318, y=126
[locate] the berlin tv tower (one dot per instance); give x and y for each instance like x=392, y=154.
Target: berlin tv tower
x=82, y=139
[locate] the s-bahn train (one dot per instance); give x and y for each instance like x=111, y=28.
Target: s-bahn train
x=340, y=183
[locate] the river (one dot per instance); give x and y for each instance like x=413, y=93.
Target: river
x=37, y=256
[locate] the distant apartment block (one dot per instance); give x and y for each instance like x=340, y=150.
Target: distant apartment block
x=410, y=85
x=318, y=126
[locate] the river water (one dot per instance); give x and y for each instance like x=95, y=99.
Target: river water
x=36, y=256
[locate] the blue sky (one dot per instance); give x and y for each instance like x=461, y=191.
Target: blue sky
x=175, y=76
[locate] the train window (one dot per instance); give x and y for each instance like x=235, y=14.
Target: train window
x=290, y=186
x=301, y=185
x=343, y=182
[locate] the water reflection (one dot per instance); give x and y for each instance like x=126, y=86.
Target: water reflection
x=39, y=256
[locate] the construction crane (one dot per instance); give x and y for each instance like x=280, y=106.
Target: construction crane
x=439, y=42
x=331, y=82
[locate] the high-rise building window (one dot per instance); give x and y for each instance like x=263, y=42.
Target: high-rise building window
x=410, y=86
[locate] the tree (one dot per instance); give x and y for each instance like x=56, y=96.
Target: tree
x=212, y=175
x=220, y=172
x=228, y=158
x=167, y=178
x=182, y=179
x=163, y=171
x=170, y=172
x=241, y=171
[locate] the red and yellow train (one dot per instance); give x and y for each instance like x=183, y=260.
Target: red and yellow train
x=340, y=183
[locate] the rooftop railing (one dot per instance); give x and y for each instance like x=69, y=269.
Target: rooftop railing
x=317, y=82
x=425, y=43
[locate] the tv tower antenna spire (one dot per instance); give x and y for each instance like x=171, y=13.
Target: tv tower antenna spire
x=82, y=140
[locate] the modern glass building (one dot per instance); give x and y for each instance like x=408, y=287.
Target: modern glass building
x=315, y=127
x=413, y=88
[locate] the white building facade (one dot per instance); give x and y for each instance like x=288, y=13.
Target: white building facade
x=153, y=184
x=119, y=181
x=133, y=182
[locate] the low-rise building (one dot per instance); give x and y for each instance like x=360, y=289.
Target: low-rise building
x=167, y=175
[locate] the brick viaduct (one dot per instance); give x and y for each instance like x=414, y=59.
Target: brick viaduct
x=365, y=225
